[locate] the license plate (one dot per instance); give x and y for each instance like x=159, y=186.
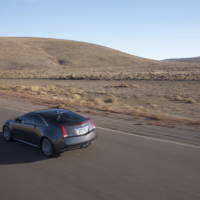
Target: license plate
x=82, y=131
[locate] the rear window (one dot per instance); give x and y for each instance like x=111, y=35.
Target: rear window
x=66, y=117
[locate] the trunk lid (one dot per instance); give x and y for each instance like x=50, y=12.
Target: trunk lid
x=78, y=128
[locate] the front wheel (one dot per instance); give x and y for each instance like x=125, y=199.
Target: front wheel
x=7, y=134
x=47, y=147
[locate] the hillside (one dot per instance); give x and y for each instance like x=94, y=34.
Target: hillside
x=37, y=53
x=53, y=58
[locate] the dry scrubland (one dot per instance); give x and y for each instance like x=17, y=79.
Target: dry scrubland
x=161, y=101
x=77, y=74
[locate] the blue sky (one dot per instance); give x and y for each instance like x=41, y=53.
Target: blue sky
x=156, y=29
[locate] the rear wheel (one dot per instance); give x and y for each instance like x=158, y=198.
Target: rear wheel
x=47, y=147
x=7, y=134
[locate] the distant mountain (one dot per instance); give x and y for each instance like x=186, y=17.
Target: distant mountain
x=193, y=60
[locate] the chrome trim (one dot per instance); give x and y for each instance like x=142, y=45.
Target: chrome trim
x=28, y=143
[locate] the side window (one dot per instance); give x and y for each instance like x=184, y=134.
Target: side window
x=39, y=121
x=28, y=119
x=33, y=119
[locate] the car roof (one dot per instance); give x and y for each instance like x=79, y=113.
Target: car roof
x=50, y=112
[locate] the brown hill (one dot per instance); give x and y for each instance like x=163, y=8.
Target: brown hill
x=53, y=58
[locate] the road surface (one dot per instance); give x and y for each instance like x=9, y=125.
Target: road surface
x=128, y=161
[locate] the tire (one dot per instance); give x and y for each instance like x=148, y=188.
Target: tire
x=7, y=134
x=47, y=147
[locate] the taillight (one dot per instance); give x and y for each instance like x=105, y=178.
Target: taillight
x=92, y=125
x=63, y=130
x=80, y=123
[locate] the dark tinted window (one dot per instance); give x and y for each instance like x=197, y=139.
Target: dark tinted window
x=33, y=119
x=39, y=121
x=28, y=119
x=65, y=117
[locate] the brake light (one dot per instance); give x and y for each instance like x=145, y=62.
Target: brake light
x=80, y=123
x=92, y=125
x=63, y=130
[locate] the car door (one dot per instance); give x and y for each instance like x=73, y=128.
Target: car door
x=28, y=128
x=35, y=129
x=25, y=129
x=18, y=128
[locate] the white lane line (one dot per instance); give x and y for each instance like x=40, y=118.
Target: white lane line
x=148, y=137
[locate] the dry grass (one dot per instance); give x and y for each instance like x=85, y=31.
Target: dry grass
x=106, y=75
x=64, y=96
x=122, y=85
x=184, y=99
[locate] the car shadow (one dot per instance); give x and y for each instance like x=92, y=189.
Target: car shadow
x=16, y=153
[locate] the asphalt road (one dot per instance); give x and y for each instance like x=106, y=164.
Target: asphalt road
x=119, y=165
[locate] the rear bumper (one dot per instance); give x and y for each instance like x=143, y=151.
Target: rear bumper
x=77, y=141
x=80, y=139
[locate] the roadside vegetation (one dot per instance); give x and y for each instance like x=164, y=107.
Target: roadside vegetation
x=111, y=98
x=90, y=75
